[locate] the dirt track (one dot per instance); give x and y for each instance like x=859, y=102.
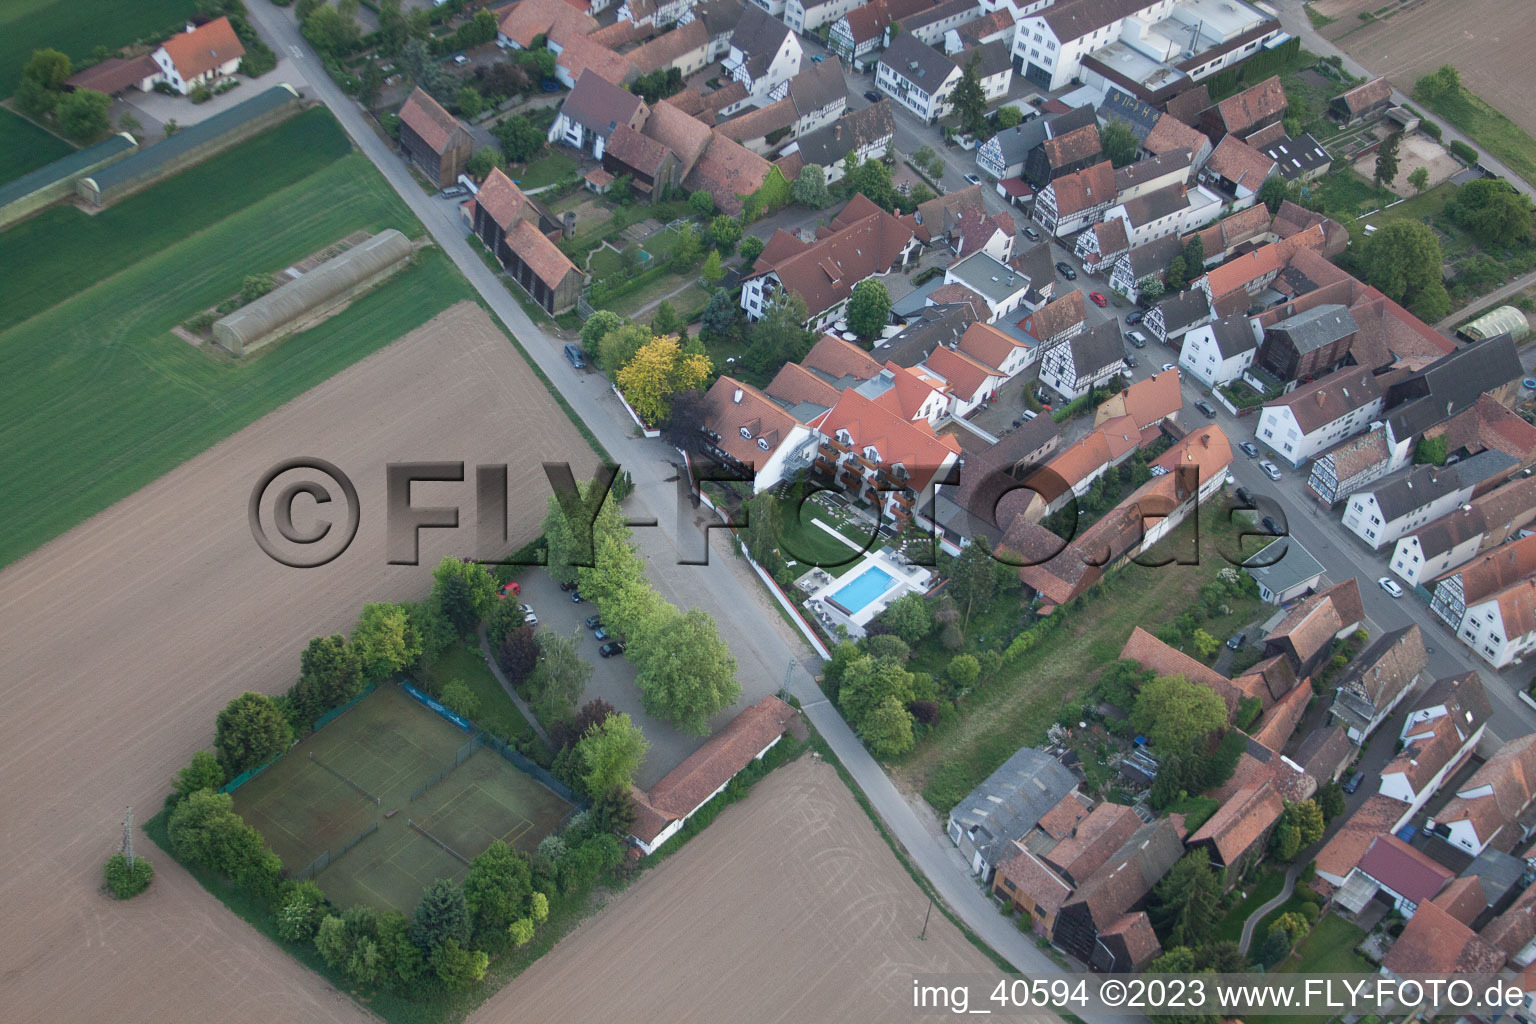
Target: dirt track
x=789, y=907
x=123, y=638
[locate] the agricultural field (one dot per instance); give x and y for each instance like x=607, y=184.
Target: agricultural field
x=148, y=619
x=99, y=398
x=792, y=883
x=78, y=28
x=25, y=147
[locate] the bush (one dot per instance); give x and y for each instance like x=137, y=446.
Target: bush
x=1431, y=129
x=1463, y=152
x=125, y=882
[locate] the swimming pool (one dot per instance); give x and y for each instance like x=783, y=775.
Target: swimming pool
x=869, y=585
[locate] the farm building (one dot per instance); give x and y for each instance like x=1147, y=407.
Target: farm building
x=1504, y=320
x=295, y=305
x=433, y=139
x=189, y=146
x=517, y=231
x=53, y=182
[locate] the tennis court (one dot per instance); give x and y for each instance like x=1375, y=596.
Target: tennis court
x=389, y=797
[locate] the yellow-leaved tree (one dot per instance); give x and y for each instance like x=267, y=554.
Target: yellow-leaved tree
x=659, y=370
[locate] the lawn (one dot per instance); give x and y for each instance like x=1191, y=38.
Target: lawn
x=1346, y=192
x=1196, y=810
x=1017, y=706
x=61, y=252
x=1488, y=128
x=803, y=542
x=99, y=398
x=1267, y=888
x=497, y=714
x=78, y=28
x=546, y=170
x=1328, y=949
x=26, y=147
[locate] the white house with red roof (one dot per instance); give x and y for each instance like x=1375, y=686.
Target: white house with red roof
x=202, y=55
x=880, y=457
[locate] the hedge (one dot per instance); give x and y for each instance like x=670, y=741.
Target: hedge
x=1463, y=152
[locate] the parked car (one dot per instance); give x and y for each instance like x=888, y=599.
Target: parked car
x=1134, y=316
x=1270, y=469
x=1029, y=414
x=454, y=192
x=459, y=58
x=1169, y=366
x=529, y=619
x=510, y=588
x=973, y=179
x=1390, y=586
x=568, y=586
x=576, y=597
x=1137, y=338
x=1205, y=409
x=611, y=648
x=1098, y=299
x=1237, y=641
x=872, y=96
x=593, y=621
x=1031, y=234
x=1354, y=782
x=1130, y=360
x=600, y=633
x=1066, y=271
x=1249, y=449
x=1270, y=526
x=1245, y=496
x=574, y=356
x=817, y=60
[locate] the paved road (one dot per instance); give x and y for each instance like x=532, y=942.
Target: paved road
x=1294, y=18
x=1259, y=912
x=1493, y=298
x=719, y=586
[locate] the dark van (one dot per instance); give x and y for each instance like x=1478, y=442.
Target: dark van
x=574, y=356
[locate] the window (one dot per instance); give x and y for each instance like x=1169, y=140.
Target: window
x=746, y=433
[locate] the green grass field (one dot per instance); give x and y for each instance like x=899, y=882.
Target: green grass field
x=1267, y=888
x=497, y=713
x=78, y=28
x=26, y=147
x=1489, y=129
x=99, y=398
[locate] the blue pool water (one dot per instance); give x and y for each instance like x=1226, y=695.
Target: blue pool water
x=869, y=585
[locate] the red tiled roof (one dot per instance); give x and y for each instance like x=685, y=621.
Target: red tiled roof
x=1157, y=657
x=1434, y=942
x=1240, y=822
x=1492, y=571
x=1032, y=878
x=838, y=358
x=204, y=48
x=427, y=118
x=541, y=255
x=824, y=274
x=1077, y=144
x=500, y=197
x=114, y=74
x=669, y=47
x=1277, y=724
x=1515, y=927
x=1410, y=873
x=1169, y=134
x=1205, y=450
x=1240, y=163
x=795, y=384
x=1253, y=105
x=1092, y=186
x=728, y=171
x=965, y=375
x=899, y=441
x=685, y=136
x=1463, y=899
x=1371, y=820
x=1135, y=932
x=578, y=53
x=530, y=18
x=986, y=344
x=724, y=754
x=1102, y=833
x=1057, y=317
x=756, y=412
x=1506, y=784
x=1060, y=821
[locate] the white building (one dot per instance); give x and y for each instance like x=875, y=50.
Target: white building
x=1491, y=801
x=1074, y=201
x=1087, y=360
x=1317, y=416
x=918, y=77
x=1502, y=629
x=593, y=110
x=1407, y=500
x=1218, y=353
x=1440, y=733
x=1171, y=210
x=1003, y=288
x=764, y=56
x=1436, y=549
x=204, y=55
x=804, y=16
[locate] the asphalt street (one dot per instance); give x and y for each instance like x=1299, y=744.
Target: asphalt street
x=740, y=609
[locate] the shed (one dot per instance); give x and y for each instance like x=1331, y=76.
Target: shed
x=1504, y=320
x=286, y=309
x=1284, y=570
x=53, y=182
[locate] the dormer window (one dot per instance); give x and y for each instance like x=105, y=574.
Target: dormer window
x=762, y=443
x=872, y=455
x=746, y=432
x=844, y=437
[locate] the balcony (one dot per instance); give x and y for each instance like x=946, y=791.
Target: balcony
x=903, y=499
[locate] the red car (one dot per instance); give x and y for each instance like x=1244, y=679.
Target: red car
x=511, y=588
x=1098, y=300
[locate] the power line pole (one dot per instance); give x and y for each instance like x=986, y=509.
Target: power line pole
x=128, y=838
x=923, y=937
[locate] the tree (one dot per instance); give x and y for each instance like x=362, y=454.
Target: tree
x=249, y=732
x=456, y=966
x=887, y=728
x=569, y=733
x=1386, y=159
x=684, y=429
x=974, y=576
x=83, y=114
x=872, y=179
x=1439, y=84
x=780, y=336
x=330, y=30
x=750, y=249
x=967, y=100
x=684, y=670
x=518, y=654
x=1272, y=193
x=963, y=670
x=1309, y=820
x=497, y=887
x=331, y=668
x=1177, y=715
x=867, y=681
x=1275, y=948
x=1119, y=143
x=714, y=268
x=384, y=641
x=1402, y=258
x=618, y=347
x=725, y=231
x=666, y=321
x=41, y=81
x=869, y=309
x=909, y=617
x=442, y=915
x=810, y=187
x=469, y=101
x=1493, y=211
x=434, y=632
x=202, y=773
x=1008, y=117
x=465, y=592
x=719, y=314
x=255, y=286
x=1189, y=900
x=301, y=913
x=1205, y=644
x=1431, y=451
x=611, y=753
x=1330, y=800
x=1221, y=957
x=520, y=138
x=1194, y=255
x=460, y=699
x=170, y=128
x=1419, y=179
x=701, y=203
x=658, y=371
x=1176, y=274
x=484, y=162
x=601, y=323
x=560, y=676
x=126, y=122
x=688, y=251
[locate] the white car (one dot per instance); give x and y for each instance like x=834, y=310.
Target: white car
x=1390, y=586
x=1270, y=469
x=459, y=58
x=1169, y=366
x=973, y=179
x=529, y=619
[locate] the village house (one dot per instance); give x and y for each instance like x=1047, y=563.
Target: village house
x=1377, y=816
x=1487, y=807
x=754, y=436
x=1237, y=171
x=1395, y=870
x=1314, y=417
x=516, y=230
x=859, y=34
x=764, y=56
x=1171, y=210
x=1073, y=201
x=1174, y=316
x=1466, y=532
x=1218, y=353
x=1235, y=835
x=1306, y=635
x=1434, y=941
x=1253, y=115
x=1101, y=903
x=1062, y=154
x=1005, y=806
x=720, y=18
x=433, y=139
x=593, y=111
x=1065, y=848
x=653, y=169
x=1378, y=680
x=1102, y=244
x=1441, y=731
x=1169, y=134
x=1284, y=570
x=865, y=133
x=1143, y=263
x=203, y=55
x=933, y=23
x=820, y=96
x=1363, y=102
x=1004, y=154
x=805, y=16
x=1308, y=344
x=1000, y=285
x=1404, y=501
x=917, y=76
x=1086, y=360
x=1302, y=159
x=1152, y=175
x=1502, y=629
